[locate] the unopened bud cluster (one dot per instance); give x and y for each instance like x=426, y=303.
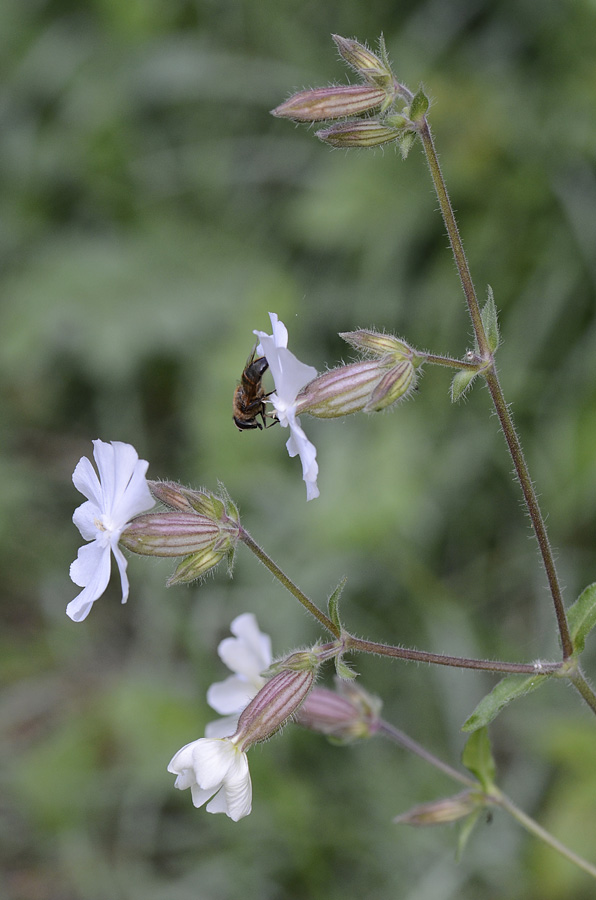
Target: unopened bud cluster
x=369, y=385
x=378, y=92
x=199, y=526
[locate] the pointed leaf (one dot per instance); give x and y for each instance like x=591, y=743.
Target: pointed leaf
x=406, y=143
x=478, y=759
x=344, y=671
x=490, y=321
x=582, y=617
x=419, y=106
x=504, y=692
x=333, y=604
x=461, y=383
x=465, y=832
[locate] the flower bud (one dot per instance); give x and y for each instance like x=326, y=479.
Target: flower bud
x=444, y=811
x=276, y=702
x=363, y=61
x=197, y=564
x=358, y=133
x=345, y=715
x=198, y=526
x=332, y=102
x=398, y=382
x=378, y=344
x=203, y=502
x=368, y=385
x=170, y=534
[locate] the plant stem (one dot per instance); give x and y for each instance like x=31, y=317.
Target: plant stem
x=356, y=644
x=534, y=828
x=408, y=743
x=454, y=237
x=495, y=797
x=523, y=476
x=452, y=363
x=287, y=582
x=490, y=374
x=578, y=680
x=459, y=662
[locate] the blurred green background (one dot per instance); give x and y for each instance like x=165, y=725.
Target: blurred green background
x=152, y=213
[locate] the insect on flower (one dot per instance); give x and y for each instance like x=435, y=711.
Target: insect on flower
x=249, y=396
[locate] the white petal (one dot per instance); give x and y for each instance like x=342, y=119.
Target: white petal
x=91, y=570
x=231, y=695
x=137, y=497
x=246, y=628
x=86, y=517
x=279, y=331
x=122, y=477
x=122, y=566
x=113, y=475
x=298, y=444
x=86, y=481
x=183, y=760
x=238, y=790
x=212, y=759
x=220, y=728
x=235, y=797
x=199, y=796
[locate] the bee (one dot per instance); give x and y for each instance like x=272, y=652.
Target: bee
x=249, y=396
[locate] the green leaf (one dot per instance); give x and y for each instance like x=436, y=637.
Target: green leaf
x=508, y=689
x=465, y=831
x=582, y=617
x=406, y=143
x=461, y=382
x=333, y=604
x=419, y=106
x=478, y=759
x=344, y=671
x=490, y=321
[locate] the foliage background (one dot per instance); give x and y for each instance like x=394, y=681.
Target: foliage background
x=152, y=214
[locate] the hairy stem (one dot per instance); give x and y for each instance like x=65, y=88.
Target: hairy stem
x=578, y=680
x=459, y=662
x=523, y=476
x=511, y=437
x=451, y=363
x=454, y=237
x=287, y=582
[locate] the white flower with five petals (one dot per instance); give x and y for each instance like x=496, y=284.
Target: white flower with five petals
x=247, y=654
x=215, y=771
x=290, y=376
x=119, y=494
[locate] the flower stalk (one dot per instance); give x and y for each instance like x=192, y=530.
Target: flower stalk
x=288, y=583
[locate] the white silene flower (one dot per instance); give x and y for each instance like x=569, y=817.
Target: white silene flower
x=119, y=493
x=290, y=376
x=215, y=770
x=247, y=655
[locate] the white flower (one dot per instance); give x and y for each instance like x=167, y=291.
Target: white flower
x=247, y=655
x=119, y=493
x=290, y=376
x=215, y=769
